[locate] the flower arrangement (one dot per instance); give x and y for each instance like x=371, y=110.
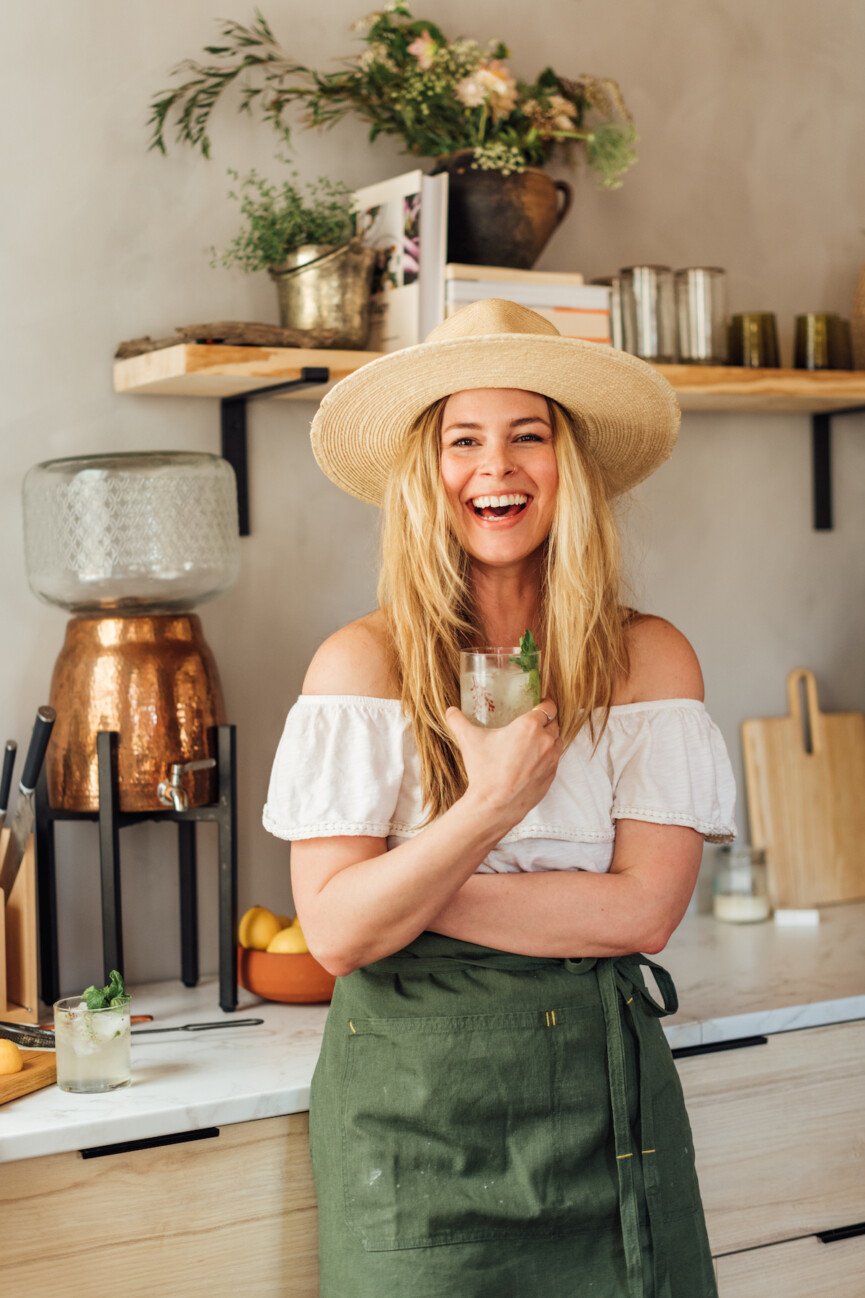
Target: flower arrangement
x=440, y=96
x=279, y=219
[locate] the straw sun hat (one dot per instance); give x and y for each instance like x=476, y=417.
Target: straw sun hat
x=626, y=411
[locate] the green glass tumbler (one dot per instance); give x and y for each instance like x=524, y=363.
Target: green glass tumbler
x=754, y=340
x=822, y=342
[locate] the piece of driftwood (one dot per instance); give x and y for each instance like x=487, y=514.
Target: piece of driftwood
x=233, y=333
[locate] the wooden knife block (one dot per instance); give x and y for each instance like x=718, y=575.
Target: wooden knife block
x=19, y=986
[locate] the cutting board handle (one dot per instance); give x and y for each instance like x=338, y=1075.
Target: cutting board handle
x=809, y=723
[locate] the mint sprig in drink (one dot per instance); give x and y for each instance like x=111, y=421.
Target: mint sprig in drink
x=529, y=660
x=500, y=683
x=114, y=993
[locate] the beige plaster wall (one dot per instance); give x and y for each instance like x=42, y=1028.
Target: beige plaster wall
x=750, y=158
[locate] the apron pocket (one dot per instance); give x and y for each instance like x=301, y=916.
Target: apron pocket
x=451, y=1131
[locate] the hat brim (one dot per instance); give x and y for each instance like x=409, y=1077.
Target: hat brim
x=628, y=413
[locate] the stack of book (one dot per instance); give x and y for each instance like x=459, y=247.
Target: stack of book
x=415, y=287
x=577, y=310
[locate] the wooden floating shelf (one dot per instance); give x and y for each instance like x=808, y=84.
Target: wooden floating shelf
x=731, y=388
x=215, y=370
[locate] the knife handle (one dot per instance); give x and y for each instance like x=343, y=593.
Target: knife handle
x=45, y=718
x=6, y=776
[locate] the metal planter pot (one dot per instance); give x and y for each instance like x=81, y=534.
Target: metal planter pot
x=324, y=291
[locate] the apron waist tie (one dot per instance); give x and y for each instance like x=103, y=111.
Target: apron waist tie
x=618, y=977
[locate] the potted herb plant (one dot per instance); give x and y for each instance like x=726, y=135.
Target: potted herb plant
x=454, y=101
x=307, y=243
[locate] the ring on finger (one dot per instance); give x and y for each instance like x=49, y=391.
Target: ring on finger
x=549, y=719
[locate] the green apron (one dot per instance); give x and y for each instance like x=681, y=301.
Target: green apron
x=488, y=1125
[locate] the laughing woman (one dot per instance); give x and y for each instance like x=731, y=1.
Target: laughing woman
x=496, y=1112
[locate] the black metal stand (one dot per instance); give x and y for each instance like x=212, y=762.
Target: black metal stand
x=233, y=427
x=111, y=820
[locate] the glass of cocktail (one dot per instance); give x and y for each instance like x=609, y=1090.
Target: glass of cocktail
x=93, y=1046
x=499, y=683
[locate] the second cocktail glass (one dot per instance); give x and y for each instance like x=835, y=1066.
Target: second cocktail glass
x=93, y=1046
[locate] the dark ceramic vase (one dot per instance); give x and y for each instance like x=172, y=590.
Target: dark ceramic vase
x=497, y=220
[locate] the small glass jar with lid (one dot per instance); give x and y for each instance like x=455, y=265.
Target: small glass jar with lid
x=740, y=893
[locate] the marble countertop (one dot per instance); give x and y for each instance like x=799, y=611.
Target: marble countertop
x=741, y=980
x=733, y=980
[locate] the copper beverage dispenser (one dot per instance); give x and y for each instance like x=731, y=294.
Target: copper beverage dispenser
x=129, y=544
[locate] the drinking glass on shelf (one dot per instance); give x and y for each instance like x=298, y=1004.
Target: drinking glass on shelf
x=93, y=1046
x=823, y=342
x=648, y=312
x=497, y=685
x=701, y=322
x=754, y=340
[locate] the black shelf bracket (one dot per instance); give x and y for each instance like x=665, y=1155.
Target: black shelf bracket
x=232, y=413
x=821, y=464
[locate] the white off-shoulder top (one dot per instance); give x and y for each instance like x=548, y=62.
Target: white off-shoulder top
x=348, y=764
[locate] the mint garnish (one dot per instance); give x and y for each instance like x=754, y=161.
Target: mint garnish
x=113, y=994
x=528, y=659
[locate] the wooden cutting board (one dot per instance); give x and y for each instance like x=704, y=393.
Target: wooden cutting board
x=40, y=1069
x=805, y=779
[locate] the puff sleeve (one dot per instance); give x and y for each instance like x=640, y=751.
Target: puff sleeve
x=670, y=765
x=338, y=768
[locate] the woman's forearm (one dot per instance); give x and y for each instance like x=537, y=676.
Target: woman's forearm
x=373, y=907
x=555, y=913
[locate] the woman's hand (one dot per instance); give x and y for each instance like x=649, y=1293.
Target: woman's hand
x=511, y=768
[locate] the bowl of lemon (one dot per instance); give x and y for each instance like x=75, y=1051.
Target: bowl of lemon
x=274, y=962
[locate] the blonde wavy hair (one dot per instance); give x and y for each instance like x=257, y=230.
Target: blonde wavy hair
x=426, y=596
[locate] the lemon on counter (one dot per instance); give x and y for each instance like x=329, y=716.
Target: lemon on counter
x=257, y=928
x=289, y=941
x=11, y=1059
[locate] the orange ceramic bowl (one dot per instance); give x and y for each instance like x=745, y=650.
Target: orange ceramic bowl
x=293, y=979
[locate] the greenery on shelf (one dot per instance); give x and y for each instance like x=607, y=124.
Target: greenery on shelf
x=440, y=96
x=280, y=218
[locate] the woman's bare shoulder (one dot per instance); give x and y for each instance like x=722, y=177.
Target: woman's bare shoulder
x=663, y=664
x=357, y=659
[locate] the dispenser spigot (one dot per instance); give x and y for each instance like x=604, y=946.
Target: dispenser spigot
x=171, y=792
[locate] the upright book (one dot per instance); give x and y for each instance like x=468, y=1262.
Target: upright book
x=405, y=220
